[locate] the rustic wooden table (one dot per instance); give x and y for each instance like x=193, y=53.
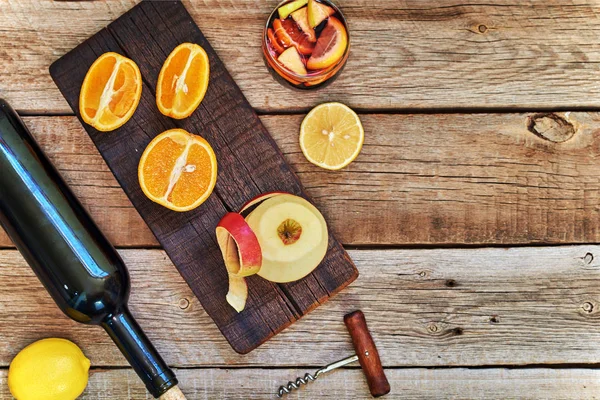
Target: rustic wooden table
x=472, y=212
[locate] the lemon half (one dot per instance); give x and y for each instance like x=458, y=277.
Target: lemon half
x=331, y=136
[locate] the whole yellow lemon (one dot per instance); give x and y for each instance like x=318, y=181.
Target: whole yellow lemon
x=49, y=369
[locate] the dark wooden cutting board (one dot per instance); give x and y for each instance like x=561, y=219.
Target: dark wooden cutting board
x=250, y=163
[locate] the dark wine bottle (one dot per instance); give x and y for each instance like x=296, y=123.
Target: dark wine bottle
x=78, y=266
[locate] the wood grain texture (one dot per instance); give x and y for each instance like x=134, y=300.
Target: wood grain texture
x=250, y=163
x=409, y=384
x=453, y=179
x=426, y=308
x=414, y=54
x=420, y=179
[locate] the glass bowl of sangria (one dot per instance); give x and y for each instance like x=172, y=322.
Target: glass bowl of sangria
x=306, y=42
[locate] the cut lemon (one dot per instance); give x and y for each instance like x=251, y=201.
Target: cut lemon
x=331, y=136
x=178, y=170
x=110, y=93
x=182, y=81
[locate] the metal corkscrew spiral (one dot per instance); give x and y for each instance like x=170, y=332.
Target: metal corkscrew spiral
x=366, y=353
x=293, y=385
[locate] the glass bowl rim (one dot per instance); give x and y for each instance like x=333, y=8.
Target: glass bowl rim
x=319, y=74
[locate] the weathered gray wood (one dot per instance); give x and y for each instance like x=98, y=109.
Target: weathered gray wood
x=420, y=179
x=460, y=178
x=437, y=179
x=412, y=54
x=447, y=307
x=410, y=384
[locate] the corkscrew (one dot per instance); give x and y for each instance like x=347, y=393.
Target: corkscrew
x=366, y=354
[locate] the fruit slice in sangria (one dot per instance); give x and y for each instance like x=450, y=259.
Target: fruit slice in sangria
x=306, y=42
x=330, y=47
x=289, y=34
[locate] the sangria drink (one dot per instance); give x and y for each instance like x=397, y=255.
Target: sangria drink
x=306, y=42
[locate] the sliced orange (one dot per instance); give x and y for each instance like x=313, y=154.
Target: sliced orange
x=289, y=34
x=274, y=43
x=331, y=136
x=178, y=170
x=330, y=47
x=110, y=93
x=182, y=81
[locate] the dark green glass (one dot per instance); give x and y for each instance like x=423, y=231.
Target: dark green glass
x=75, y=262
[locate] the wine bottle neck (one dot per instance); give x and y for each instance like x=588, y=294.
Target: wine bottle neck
x=137, y=349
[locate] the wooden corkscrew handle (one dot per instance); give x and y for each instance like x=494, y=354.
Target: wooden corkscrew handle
x=367, y=353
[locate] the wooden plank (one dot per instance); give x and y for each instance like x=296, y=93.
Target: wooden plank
x=250, y=164
x=416, y=54
x=420, y=179
x=410, y=384
x=425, y=308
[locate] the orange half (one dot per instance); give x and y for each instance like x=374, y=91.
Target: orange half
x=182, y=81
x=330, y=47
x=178, y=170
x=111, y=92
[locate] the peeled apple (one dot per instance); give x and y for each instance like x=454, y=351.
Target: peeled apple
x=283, y=239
